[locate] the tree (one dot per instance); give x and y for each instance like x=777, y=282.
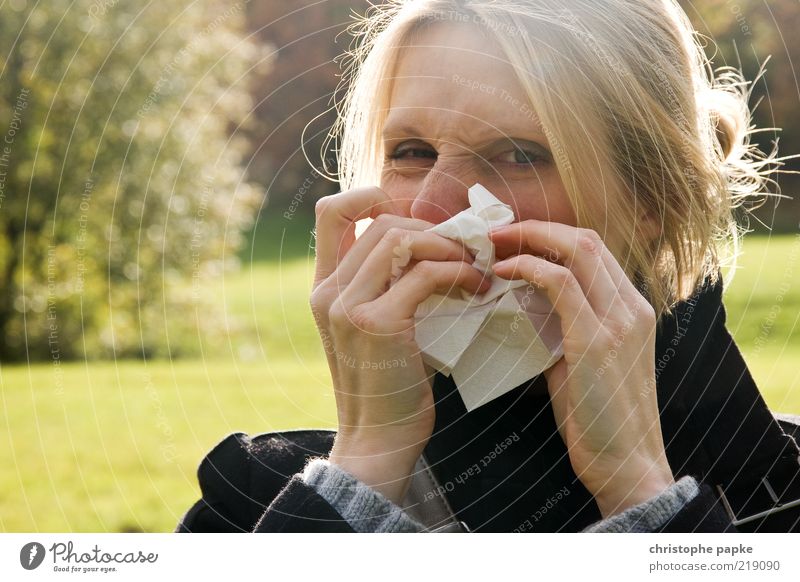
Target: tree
x=296, y=96
x=744, y=34
x=122, y=187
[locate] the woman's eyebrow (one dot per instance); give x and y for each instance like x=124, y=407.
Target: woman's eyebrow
x=493, y=135
x=521, y=141
x=404, y=129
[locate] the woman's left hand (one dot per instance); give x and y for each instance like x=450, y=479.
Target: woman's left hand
x=603, y=388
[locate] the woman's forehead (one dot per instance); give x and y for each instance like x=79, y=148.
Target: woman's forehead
x=450, y=55
x=453, y=69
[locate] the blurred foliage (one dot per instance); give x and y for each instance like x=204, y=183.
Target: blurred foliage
x=123, y=191
x=294, y=103
x=746, y=34
x=123, y=187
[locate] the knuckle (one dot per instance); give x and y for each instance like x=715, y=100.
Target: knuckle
x=353, y=319
x=322, y=206
x=325, y=292
x=320, y=301
x=590, y=242
x=646, y=312
x=608, y=338
x=590, y=234
x=394, y=234
x=639, y=319
x=364, y=319
x=368, y=191
x=427, y=269
x=317, y=304
x=564, y=278
x=382, y=222
x=338, y=315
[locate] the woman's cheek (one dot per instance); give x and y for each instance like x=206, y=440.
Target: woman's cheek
x=543, y=200
x=401, y=189
x=540, y=198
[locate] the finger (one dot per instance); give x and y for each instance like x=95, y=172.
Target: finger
x=335, y=224
x=423, y=280
x=562, y=288
x=580, y=250
x=392, y=255
x=366, y=243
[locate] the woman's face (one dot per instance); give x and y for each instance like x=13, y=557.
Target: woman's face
x=458, y=116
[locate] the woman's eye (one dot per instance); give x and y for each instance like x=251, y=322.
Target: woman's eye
x=521, y=157
x=412, y=152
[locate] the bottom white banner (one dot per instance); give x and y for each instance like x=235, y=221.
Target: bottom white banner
x=399, y=556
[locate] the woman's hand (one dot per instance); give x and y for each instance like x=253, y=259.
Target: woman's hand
x=365, y=294
x=603, y=388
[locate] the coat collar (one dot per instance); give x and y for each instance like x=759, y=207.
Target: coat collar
x=714, y=420
x=715, y=424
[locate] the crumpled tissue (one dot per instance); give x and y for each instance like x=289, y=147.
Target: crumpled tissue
x=493, y=342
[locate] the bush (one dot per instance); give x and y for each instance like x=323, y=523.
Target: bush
x=122, y=187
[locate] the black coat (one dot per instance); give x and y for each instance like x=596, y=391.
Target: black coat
x=715, y=424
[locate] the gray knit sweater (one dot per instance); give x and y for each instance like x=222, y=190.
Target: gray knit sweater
x=367, y=510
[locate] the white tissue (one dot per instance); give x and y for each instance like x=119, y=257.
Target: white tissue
x=496, y=341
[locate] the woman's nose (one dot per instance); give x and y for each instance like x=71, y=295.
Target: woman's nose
x=442, y=196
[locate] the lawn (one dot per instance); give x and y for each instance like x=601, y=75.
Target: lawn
x=114, y=446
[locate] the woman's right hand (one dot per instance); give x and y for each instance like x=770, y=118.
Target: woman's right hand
x=364, y=297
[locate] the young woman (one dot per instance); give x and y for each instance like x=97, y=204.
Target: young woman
x=622, y=157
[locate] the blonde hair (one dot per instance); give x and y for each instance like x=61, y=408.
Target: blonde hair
x=638, y=122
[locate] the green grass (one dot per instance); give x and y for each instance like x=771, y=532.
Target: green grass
x=110, y=446
x=115, y=446
x=278, y=236
x=763, y=304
